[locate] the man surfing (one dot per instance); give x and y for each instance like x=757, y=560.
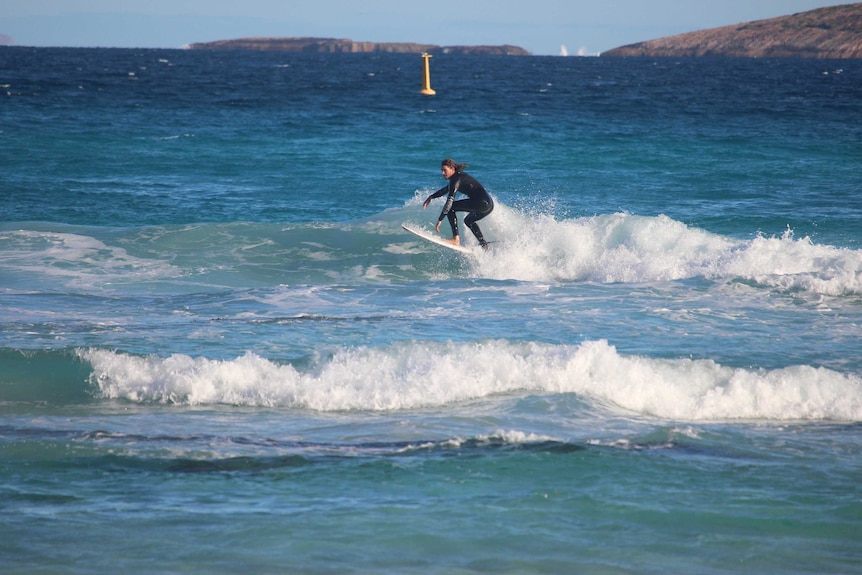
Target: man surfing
x=478, y=203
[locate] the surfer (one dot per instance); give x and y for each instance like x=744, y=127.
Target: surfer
x=478, y=203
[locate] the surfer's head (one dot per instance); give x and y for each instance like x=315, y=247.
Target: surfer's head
x=449, y=167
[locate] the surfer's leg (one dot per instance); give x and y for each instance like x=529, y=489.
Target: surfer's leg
x=474, y=227
x=476, y=210
x=473, y=217
x=453, y=221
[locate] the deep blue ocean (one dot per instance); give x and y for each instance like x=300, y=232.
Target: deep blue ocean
x=220, y=353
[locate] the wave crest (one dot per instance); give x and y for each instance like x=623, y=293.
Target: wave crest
x=412, y=375
x=623, y=248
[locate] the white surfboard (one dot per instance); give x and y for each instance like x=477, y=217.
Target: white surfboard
x=428, y=236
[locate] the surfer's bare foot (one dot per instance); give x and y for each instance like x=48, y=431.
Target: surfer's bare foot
x=455, y=241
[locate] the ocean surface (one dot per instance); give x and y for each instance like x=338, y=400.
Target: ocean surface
x=220, y=353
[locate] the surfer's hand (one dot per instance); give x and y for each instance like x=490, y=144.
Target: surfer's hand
x=425, y=203
x=437, y=228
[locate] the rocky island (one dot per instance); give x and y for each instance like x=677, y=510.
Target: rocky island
x=345, y=45
x=833, y=32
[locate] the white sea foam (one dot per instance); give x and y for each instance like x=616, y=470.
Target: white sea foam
x=414, y=375
x=79, y=260
x=623, y=247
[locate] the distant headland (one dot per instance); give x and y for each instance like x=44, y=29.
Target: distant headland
x=833, y=32
x=347, y=46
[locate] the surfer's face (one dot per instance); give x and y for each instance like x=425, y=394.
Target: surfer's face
x=447, y=171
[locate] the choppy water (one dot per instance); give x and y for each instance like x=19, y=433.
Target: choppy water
x=219, y=352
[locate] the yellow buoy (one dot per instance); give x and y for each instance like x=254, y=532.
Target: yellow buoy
x=426, y=83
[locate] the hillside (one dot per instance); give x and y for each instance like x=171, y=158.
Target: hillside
x=345, y=45
x=833, y=32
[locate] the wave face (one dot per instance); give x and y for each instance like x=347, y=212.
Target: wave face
x=614, y=248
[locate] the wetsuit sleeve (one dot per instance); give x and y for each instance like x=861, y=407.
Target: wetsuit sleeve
x=453, y=189
x=439, y=192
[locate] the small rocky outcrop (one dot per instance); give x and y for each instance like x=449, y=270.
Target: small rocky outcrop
x=833, y=32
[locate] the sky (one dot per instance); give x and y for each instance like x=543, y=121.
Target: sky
x=584, y=27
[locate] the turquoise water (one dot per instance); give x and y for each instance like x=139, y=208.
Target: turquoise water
x=219, y=351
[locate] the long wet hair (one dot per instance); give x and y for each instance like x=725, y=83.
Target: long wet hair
x=452, y=164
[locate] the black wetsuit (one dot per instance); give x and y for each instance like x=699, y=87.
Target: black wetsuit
x=478, y=203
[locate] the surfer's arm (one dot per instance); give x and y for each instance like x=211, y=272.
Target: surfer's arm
x=436, y=194
x=448, y=206
x=452, y=188
x=449, y=200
